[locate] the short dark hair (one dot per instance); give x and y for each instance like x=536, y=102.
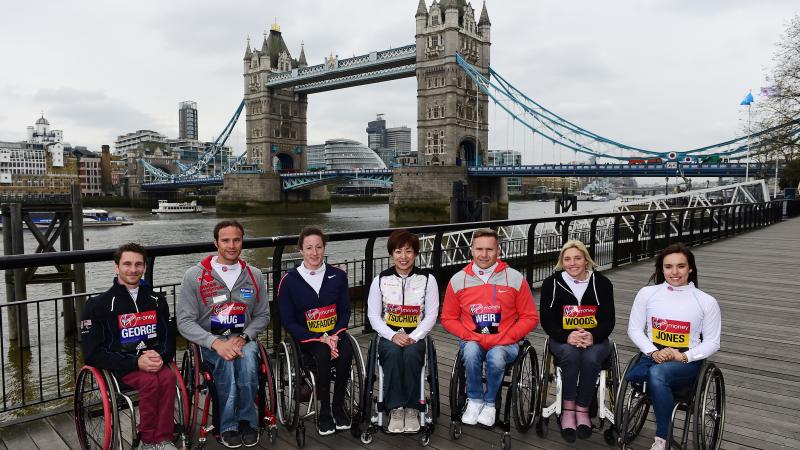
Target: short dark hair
x=129, y=247
x=678, y=247
x=311, y=231
x=485, y=232
x=225, y=224
x=401, y=238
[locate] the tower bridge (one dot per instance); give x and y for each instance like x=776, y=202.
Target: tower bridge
x=450, y=59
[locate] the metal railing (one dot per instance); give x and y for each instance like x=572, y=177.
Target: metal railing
x=38, y=377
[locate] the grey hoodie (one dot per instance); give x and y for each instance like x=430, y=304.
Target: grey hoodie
x=241, y=310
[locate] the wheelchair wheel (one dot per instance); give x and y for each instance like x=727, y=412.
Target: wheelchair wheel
x=266, y=392
x=547, y=376
x=182, y=407
x=369, y=400
x=433, y=381
x=458, y=393
x=709, y=409
x=288, y=384
x=355, y=386
x=190, y=373
x=524, y=388
x=94, y=407
x=631, y=408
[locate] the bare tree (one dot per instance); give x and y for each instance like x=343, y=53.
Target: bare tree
x=781, y=100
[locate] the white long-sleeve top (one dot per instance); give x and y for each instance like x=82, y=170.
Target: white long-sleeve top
x=668, y=316
x=417, y=289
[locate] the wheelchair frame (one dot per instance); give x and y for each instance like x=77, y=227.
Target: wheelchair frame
x=606, y=388
x=634, y=405
x=113, y=400
x=293, y=377
x=198, y=378
x=373, y=421
x=513, y=407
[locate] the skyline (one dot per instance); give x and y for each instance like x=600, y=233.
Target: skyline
x=110, y=76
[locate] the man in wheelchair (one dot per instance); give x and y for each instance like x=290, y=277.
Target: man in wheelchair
x=222, y=307
x=126, y=330
x=489, y=306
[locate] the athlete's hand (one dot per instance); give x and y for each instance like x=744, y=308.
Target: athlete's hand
x=333, y=343
x=661, y=356
x=227, y=349
x=153, y=355
x=148, y=364
x=402, y=339
x=676, y=355
x=587, y=339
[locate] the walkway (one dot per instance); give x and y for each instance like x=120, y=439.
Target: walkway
x=753, y=276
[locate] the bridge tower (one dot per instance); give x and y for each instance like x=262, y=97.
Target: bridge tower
x=276, y=137
x=452, y=120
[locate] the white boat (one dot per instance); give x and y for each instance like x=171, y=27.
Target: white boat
x=167, y=207
x=584, y=196
x=93, y=217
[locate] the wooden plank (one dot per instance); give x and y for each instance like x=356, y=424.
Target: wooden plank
x=44, y=436
x=64, y=424
x=16, y=438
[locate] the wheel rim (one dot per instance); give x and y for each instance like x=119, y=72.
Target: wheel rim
x=526, y=390
x=712, y=411
x=93, y=412
x=286, y=387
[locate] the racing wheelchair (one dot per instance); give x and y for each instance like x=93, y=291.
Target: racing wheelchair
x=603, y=404
x=703, y=402
x=297, y=389
x=374, y=412
x=198, y=377
x=521, y=380
x=104, y=405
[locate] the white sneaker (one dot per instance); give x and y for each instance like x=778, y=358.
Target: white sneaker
x=486, y=416
x=470, y=416
x=412, y=420
x=396, y=421
x=658, y=444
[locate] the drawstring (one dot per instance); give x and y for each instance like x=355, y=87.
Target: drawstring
x=112, y=302
x=594, y=286
x=554, y=293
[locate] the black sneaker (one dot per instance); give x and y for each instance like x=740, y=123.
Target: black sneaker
x=249, y=435
x=326, y=425
x=231, y=439
x=341, y=419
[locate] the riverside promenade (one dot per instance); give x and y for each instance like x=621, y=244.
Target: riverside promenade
x=754, y=278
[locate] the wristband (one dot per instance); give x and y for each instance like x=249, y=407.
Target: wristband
x=246, y=337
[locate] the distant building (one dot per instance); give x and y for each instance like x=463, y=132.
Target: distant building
x=555, y=184
x=50, y=140
x=315, y=157
x=189, y=151
x=126, y=144
x=346, y=154
x=89, y=170
x=507, y=158
x=187, y=120
x=388, y=142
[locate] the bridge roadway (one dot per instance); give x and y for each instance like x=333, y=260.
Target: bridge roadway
x=302, y=180
x=759, y=358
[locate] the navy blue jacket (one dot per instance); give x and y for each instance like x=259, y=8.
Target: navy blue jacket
x=303, y=311
x=115, y=331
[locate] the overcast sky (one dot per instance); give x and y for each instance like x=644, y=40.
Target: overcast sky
x=657, y=74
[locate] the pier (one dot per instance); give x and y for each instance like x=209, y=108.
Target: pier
x=752, y=276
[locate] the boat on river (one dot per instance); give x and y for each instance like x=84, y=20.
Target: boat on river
x=167, y=207
x=92, y=217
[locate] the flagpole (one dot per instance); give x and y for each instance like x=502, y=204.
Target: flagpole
x=749, y=133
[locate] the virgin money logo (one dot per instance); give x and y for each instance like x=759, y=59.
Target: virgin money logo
x=312, y=314
x=127, y=320
x=660, y=324
x=571, y=310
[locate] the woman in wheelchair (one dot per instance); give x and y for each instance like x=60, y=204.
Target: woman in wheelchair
x=577, y=312
x=402, y=307
x=315, y=309
x=126, y=331
x=676, y=326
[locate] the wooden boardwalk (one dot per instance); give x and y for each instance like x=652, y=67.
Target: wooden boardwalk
x=754, y=278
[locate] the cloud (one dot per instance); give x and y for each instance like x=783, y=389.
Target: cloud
x=93, y=109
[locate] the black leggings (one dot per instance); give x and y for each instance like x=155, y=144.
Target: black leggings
x=321, y=353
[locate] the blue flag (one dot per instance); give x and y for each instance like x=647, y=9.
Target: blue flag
x=747, y=99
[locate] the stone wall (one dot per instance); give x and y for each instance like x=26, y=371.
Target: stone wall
x=261, y=194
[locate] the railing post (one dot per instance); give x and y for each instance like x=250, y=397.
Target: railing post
x=636, y=250
x=437, y=255
x=277, y=262
x=615, y=241
x=702, y=226
x=530, y=256
x=369, y=262
x=592, y=237
x=668, y=228
x=652, y=247
x=691, y=226
x=679, y=226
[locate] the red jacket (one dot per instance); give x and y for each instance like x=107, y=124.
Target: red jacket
x=498, y=312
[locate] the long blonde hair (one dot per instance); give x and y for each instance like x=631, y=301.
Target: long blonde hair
x=574, y=243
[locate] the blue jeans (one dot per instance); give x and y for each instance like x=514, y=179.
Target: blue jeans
x=661, y=380
x=236, y=383
x=401, y=369
x=496, y=359
x=579, y=369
